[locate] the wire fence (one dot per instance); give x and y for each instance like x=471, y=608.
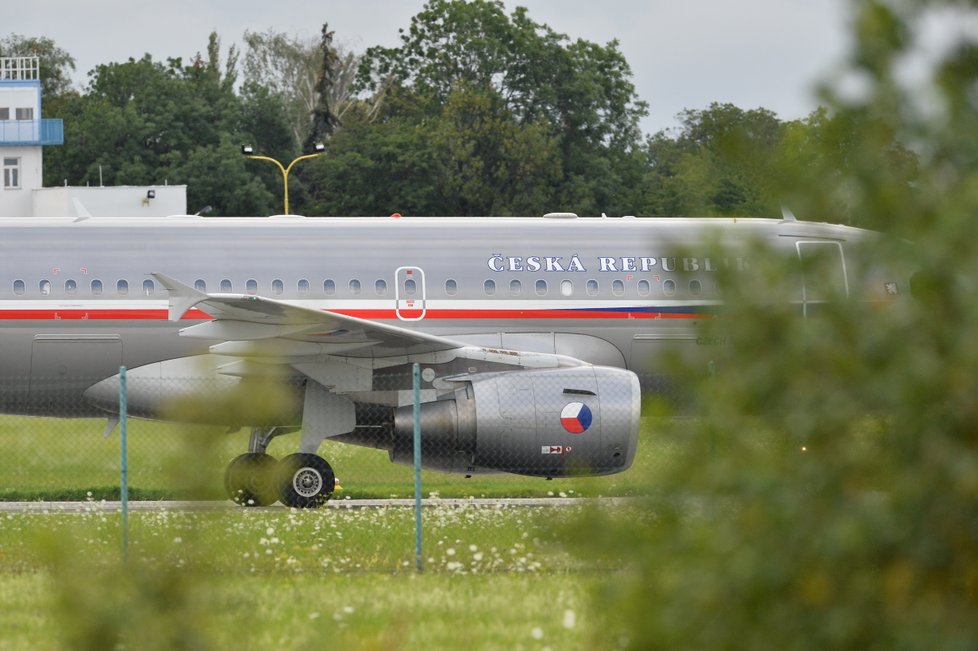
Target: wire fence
x=500, y=434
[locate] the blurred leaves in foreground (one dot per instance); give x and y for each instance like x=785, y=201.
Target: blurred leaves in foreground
x=831, y=497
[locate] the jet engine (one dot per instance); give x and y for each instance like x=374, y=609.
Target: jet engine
x=548, y=423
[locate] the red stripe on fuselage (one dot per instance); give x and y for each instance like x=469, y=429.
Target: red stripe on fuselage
x=72, y=314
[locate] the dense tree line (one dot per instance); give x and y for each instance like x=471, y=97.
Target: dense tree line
x=475, y=112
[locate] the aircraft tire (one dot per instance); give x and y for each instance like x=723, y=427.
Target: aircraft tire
x=305, y=480
x=250, y=479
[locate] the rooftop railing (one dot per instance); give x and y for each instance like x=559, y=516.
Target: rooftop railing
x=20, y=69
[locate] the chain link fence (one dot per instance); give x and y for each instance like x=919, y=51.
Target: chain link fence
x=500, y=434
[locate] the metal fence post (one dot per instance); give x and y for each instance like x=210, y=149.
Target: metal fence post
x=416, y=376
x=123, y=464
x=711, y=370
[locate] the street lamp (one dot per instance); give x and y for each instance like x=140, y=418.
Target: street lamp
x=249, y=152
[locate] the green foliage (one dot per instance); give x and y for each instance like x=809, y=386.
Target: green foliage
x=487, y=163
x=474, y=112
x=146, y=122
x=828, y=500
x=287, y=67
x=56, y=65
x=245, y=579
x=524, y=120
x=374, y=169
x=721, y=163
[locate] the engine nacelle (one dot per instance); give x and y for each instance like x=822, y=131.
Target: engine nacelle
x=549, y=423
x=193, y=390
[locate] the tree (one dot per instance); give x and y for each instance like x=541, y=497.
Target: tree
x=487, y=163
x=375, y=168
x=578, y=92
x=286, y=66
x=293, y=68
x=56, y=64
x=821, y=156
x=145, y=122
x=324, y=120
x=826, y=500
x=721, y=162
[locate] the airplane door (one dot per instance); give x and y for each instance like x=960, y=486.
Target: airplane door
x=823, y=273
x=409, y=293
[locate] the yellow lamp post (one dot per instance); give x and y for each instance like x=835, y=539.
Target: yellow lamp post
x=249, y=152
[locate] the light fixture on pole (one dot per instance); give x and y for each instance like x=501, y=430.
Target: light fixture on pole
x=249, y=152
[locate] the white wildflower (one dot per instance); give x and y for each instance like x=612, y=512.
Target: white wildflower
x=570, y=619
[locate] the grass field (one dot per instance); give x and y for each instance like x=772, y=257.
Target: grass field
x=494, y=578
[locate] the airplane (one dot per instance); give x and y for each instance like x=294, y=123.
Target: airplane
x=536, y=336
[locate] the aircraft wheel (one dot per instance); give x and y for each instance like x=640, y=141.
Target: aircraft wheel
x=250, y=479
x=305, y=480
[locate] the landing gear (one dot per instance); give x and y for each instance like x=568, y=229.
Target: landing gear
x=250, y=479
x=301, y=480
x=305, y=480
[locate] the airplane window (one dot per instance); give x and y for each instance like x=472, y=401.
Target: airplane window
x=541, y=287
x=380, y=287
x=669, y=287
x=566, y=288
x=515, y=287
x=96, y=287
x=489, y=287
x=278, y=287
x=592, y=288
x=200, y=285
x=618, y=288
x=695, y=287
x=251, y=286
x=410, y=287
x=45, y=287
x=19, y=287
x=329, y=286
x=149, y=287
x=451, y=287
x=122, y=287
x=71, y=287
x=303, y=286
x=355, y=287
x=644, y=288
x=226, y=286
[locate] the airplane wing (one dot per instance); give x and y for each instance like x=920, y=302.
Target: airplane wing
x=254, y=325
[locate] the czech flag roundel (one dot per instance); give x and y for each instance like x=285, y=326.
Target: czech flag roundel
x=576, y=417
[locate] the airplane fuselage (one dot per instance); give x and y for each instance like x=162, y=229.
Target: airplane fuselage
x=77, y=300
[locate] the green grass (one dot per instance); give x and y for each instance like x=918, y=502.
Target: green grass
x=348, y=612
x=59, y=459
x=494, y=578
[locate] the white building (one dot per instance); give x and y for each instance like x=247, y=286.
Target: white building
x=23, y=135
x=115, y=201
